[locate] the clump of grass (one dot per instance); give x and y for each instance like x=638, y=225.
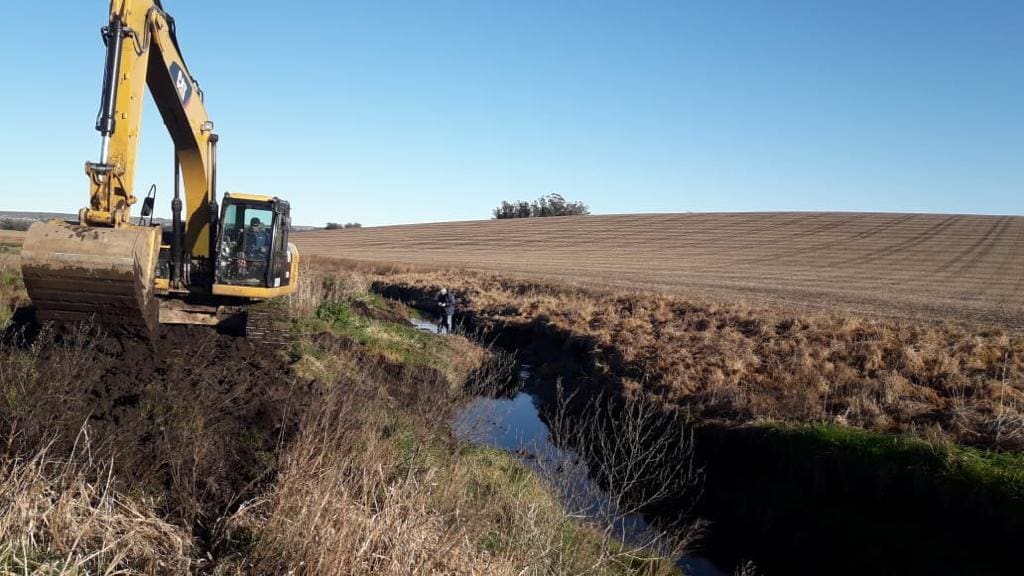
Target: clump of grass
x=65, y=516
x=12, y=290
x=318, y=285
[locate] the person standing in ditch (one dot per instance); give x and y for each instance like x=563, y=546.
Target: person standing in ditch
x=446, y=306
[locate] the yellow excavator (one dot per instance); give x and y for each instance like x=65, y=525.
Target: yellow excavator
x=213, y=263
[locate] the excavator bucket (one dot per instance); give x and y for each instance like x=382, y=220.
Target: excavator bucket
x=82, y=273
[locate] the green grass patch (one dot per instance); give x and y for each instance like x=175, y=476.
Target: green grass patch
x=402, y=343
x=985, y=470
x=10, y=280
x=498, y=480
x=377, y=302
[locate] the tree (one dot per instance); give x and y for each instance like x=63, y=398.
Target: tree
x=336, y=226
x=520, y=209
x=15, y=224
x=550, y=205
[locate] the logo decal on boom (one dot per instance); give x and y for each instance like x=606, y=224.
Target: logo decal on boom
x=181, y=83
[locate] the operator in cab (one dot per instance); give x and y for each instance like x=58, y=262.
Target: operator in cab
x=256, y=242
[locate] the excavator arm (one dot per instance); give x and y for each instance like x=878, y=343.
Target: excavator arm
x=142, y=50
x=103, y=268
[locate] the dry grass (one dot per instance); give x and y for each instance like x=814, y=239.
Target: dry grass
x=738, y=363
x=11, y=237
x=12, y=290
x=353, y=498
x=933, y=266
x=371, y=483
x=374, y=484
x=64, y=516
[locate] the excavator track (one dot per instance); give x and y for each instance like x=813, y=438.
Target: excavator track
x=268, y=324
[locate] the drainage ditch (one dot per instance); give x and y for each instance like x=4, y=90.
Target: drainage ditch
x=786, y=499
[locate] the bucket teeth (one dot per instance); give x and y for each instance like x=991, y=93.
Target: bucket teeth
x=81, y=273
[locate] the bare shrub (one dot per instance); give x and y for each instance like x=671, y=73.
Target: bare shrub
x=641, y=456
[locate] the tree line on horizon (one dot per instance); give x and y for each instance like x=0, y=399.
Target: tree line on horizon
x=550, y=205
x=345, y=226
x=17, y=224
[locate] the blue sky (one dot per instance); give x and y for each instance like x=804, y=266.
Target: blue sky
x=392, y=112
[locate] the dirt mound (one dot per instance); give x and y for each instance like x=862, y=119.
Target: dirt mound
x=193, y=418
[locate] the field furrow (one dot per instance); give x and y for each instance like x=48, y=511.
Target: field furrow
x=960, y=267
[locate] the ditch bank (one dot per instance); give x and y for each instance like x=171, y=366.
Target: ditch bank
x=803, y=499
x=192, y=419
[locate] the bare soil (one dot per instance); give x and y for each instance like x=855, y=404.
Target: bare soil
x=192, y=418
x=934, y=266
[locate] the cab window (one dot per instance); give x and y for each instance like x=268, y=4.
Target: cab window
x=246, y=237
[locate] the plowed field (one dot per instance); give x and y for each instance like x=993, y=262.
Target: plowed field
x=918, y=265
x=11, y=237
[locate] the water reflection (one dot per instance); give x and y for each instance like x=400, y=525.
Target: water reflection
x=515, y=425
x=423, y=323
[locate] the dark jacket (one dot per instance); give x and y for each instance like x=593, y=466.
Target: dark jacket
x=449, y=299
x=256, y=242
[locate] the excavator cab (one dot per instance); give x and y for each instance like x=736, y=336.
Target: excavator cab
x=253, y=254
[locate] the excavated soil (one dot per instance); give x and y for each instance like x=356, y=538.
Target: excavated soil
x=193, y=418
